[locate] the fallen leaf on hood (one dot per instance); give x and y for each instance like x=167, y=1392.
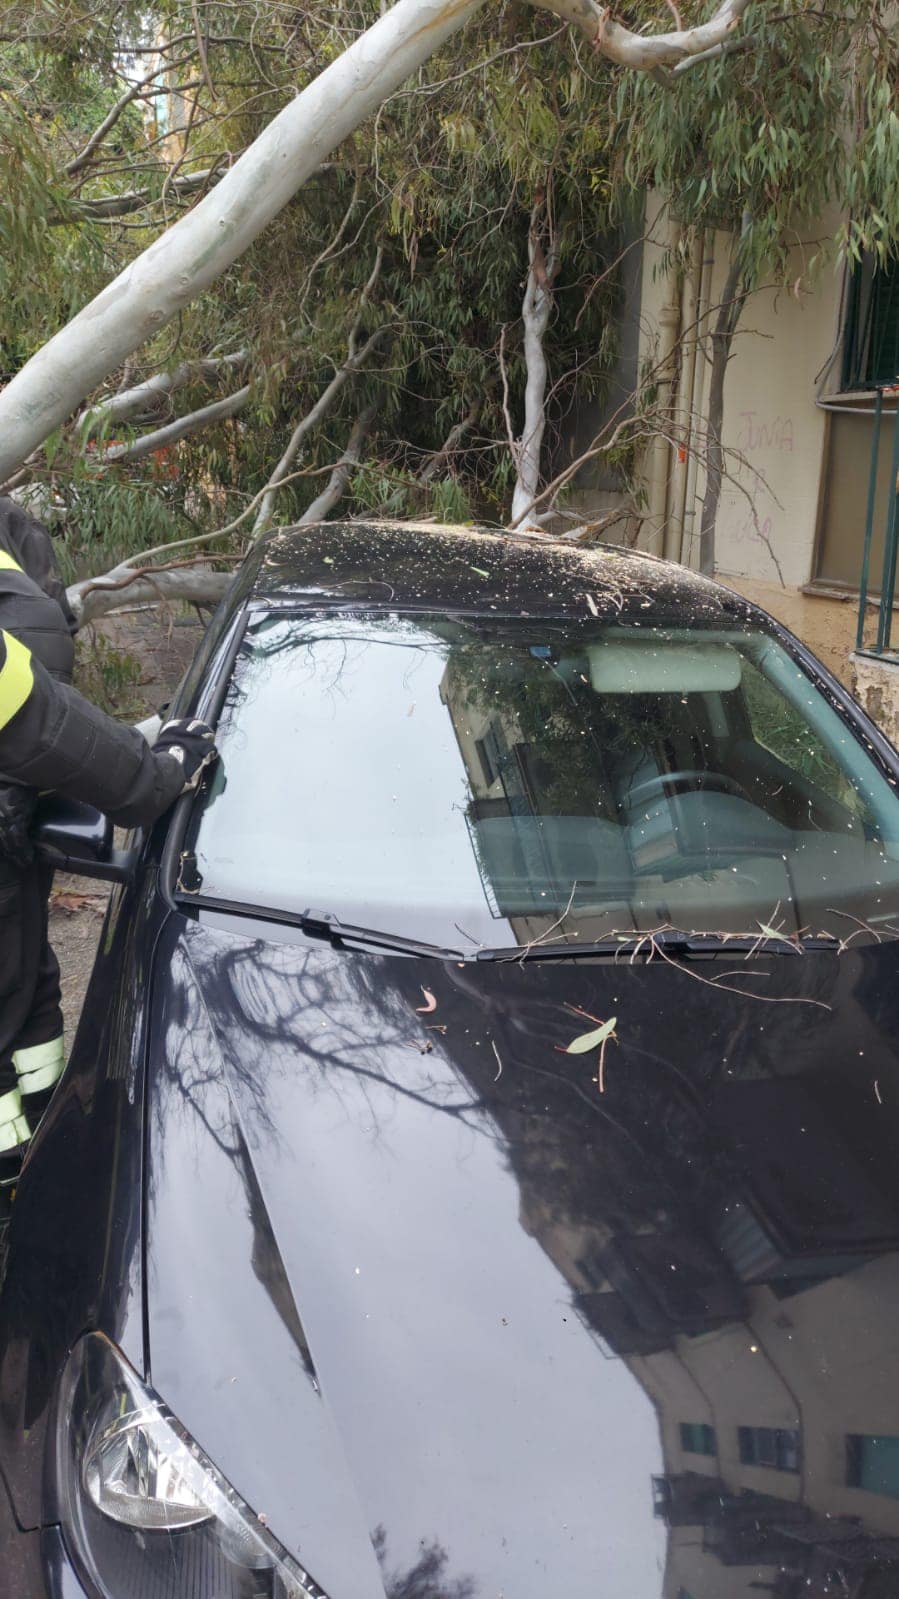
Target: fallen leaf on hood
x=587, y=1041
x=429, y=1004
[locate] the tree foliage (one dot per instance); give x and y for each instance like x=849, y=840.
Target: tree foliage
x=115, y=117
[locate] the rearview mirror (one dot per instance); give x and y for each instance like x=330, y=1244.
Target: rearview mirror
x=73, y=837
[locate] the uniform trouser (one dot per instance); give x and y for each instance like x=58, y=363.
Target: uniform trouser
x=30, y=1010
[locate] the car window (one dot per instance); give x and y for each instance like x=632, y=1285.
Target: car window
x=493, y=782
x=781, y=728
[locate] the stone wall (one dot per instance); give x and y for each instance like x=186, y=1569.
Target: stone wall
x=876, y=685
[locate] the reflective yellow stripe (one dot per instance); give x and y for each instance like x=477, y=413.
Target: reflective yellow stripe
x=7, y=564
x=16, y=679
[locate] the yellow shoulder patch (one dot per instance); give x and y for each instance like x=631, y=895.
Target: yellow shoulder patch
x=16, y=678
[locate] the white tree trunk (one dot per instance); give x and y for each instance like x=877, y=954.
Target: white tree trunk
x=535, y=311
x=199, y=247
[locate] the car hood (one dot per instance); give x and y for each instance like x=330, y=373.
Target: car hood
x=441, y=1309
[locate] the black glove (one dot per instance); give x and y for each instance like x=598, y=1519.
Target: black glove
x=16, y=810
x=190, y=742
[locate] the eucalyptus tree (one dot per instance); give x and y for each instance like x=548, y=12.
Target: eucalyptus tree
x=396, y=280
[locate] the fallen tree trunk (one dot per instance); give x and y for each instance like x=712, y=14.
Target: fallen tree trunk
x=192, y=585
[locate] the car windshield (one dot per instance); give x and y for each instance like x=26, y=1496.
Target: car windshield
x=494, y=782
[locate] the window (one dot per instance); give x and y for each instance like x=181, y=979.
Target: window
x=780, y=728
x=872, y=1462
x=698, y=1438
x=778, y=1448
x=871, y=342
x=628, y=778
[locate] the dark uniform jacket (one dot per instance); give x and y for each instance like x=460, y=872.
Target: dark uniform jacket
x=26, y=542
x=50, y=736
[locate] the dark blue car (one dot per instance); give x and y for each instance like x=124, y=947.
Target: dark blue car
x=477, y=1171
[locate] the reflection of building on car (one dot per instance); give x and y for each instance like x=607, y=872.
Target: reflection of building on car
x=732, y=1236
x=356, y=1238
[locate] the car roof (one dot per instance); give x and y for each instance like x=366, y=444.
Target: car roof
x=424, y=566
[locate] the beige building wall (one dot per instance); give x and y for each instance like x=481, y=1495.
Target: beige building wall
x=774, y=432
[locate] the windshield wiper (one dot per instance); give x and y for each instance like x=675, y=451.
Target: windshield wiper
x=321, y=924
x=668, y=943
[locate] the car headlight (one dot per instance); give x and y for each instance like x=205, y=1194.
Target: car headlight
x=145, y=1511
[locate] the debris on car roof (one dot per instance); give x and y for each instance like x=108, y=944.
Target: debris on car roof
x=426, y=565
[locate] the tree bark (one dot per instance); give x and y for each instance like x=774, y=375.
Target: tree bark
x=535, y=311
x=733, y=299
x=335, y=487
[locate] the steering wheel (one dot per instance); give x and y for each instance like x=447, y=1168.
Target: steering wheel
x=683, y=782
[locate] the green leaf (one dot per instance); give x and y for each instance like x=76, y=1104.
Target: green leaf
x=587, y=1041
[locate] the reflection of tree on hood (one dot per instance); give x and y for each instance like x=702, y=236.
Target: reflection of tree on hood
x=427, y=1579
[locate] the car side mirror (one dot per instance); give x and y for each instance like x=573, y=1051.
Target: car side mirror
x=73, y=837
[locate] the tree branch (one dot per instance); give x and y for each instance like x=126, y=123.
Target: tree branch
x=456, y=434
x=642, y=52
x=123, y=205
x=336, y=485
x=145, y=396
x=356, y=358
x=173, y=431
x=81, y=160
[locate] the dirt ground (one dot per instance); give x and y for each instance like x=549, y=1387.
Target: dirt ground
x=164, y=647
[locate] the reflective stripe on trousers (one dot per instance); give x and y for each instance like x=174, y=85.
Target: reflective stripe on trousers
x=14, y=1129
x=39, y=1066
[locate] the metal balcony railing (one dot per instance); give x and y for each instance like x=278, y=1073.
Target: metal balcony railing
x=882, y=644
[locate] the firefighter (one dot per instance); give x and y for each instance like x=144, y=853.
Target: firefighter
x=53, y=738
